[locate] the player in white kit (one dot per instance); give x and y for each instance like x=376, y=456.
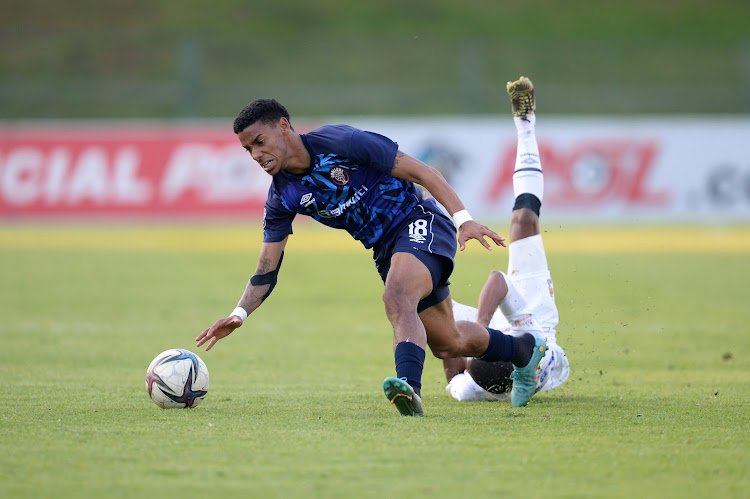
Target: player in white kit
x=523, y=301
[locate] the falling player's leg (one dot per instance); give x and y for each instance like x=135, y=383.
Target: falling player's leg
x=528, y=187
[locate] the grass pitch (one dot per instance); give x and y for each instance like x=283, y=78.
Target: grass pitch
x=654, y=322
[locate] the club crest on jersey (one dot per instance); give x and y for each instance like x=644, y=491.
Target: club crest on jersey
x=339, y=176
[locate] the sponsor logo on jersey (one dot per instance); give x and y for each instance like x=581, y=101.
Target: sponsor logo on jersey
x=339, y=176
x=341, y=208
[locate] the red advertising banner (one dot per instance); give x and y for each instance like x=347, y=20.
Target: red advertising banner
x=589, y=173
x=605, y=169
x=121, y=170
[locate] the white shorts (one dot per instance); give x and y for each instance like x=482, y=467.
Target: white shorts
x=528, y=271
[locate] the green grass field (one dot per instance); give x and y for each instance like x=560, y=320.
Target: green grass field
x=654, y=322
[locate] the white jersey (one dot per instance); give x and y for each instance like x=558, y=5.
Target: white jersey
x=527, y=270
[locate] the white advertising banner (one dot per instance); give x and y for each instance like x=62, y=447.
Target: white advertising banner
x=623, y=170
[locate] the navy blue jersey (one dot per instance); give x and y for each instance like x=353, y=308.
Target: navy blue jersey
x=347, y=186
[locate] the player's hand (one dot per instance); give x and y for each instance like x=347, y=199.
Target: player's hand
x=220, y=329
x=473, y=230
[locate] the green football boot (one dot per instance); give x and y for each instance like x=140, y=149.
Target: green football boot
x=403, y=397
x=525, y=378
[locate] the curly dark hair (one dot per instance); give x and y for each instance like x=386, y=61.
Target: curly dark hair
x=264, y=110
x=492, y=376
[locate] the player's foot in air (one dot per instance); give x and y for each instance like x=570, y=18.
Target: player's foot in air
x=403, y=397
x=525, y=378
x=521, y=94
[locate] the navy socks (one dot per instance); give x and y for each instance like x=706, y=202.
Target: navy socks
x=410, y=356
x=501, y=347
x=506, y=347
x=409, y=364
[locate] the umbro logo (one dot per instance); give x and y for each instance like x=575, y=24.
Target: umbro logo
x=307, y=200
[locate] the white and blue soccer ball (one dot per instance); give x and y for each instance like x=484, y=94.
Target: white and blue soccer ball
x=177, y=379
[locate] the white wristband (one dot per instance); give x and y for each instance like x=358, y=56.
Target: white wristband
x=239, y=312
x=460, y=217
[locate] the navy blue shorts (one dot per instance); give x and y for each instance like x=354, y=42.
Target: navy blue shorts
x=429, y=235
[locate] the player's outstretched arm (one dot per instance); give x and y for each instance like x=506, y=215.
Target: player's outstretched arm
x=493, y=292
x=410, y=168
x=258, y=288
x=474, y=230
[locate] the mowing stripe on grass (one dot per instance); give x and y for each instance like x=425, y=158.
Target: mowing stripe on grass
x=314, y=239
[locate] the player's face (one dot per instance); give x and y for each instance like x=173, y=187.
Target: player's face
x=267, y=144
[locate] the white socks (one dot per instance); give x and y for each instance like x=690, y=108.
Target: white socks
x=528, y=171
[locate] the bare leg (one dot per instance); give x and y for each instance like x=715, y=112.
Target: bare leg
x=449, y=339
x=523, y=223
x=451, y=367
x=492, y=294
x=407, y=283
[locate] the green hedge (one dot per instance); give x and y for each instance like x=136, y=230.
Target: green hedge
x=206, y=59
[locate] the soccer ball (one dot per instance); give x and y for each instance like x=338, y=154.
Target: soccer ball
x=177, y=378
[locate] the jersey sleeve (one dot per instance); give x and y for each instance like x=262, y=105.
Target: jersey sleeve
x=373, y=149
x=277, y=219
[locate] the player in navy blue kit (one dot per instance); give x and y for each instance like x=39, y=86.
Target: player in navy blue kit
x=359, y=181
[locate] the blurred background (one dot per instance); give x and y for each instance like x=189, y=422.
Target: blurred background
x=646, y=104
x=196, y=59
